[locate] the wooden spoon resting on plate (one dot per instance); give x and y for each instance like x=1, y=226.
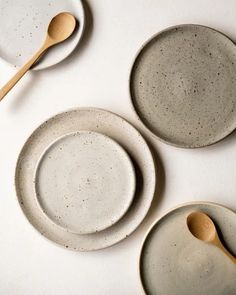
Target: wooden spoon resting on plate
x=60, y=28
x=202, y=227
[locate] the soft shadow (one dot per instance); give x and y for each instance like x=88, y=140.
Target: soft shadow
x=229, y=34
x=230, y=139
x=223, y=144
x=160, y=186
x=24, y=93
x=139, y=183
x=227, y=246
x=159, y=191
x=157, y=198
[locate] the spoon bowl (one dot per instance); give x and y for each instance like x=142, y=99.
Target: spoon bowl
x=203, y=228
x=61, y=27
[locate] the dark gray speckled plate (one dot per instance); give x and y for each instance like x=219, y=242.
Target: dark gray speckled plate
x=174, y=262
x=183, y=85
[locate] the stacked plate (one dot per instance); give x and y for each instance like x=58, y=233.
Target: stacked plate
x=85, y=179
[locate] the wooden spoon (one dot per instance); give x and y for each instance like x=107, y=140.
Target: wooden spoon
x=202, y=227
x=59, y=29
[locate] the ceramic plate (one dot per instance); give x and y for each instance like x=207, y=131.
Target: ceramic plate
x=183, y=85
x=85, y=182
x=21, y=38
x=73, y=121
x=174, y=262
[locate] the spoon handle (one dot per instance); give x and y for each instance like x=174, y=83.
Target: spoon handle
x=218, y=243
x=12, y=82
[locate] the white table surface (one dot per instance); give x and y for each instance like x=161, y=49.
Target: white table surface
x=97, y=75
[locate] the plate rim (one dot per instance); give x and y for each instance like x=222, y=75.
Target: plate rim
x=30, y=136
x=158, y=219
x=131, y=98
x=80, y=36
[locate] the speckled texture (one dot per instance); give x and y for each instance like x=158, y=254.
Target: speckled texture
x=183, y=85
x=23, y=27
x=175, y=262
x=108, y=124
x=85, y=182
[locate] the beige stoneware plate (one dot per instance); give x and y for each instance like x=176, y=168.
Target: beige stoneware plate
x=183, y=85
x=85, y=182
x=172, y=261
x=95, y=120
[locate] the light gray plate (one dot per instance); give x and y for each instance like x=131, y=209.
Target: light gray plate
x=183, y=85
x=23, y=27
x=174, y=262
x=85, y=182
x=73, y=121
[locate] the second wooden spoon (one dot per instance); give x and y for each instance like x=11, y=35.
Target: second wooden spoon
x=203, y=228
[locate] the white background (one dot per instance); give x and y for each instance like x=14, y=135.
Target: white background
x=97, y=75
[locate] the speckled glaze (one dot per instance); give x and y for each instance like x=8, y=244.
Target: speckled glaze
x=175, y=262
x=21, y=38
x=183, y=85
x=106, y=123
x=85, y=182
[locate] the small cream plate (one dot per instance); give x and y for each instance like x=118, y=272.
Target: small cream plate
x=85, y=182
x=23, y=25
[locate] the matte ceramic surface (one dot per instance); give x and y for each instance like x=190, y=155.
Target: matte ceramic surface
x=85, y=182
x=73, y=121
x=183, y=85
x=21, y=38
x=174, y=262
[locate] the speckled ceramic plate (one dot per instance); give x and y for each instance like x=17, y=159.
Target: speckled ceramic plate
x=183, y=85
x=73, y=121
x=174, y=262
x=23, y=27
x=85, y=182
